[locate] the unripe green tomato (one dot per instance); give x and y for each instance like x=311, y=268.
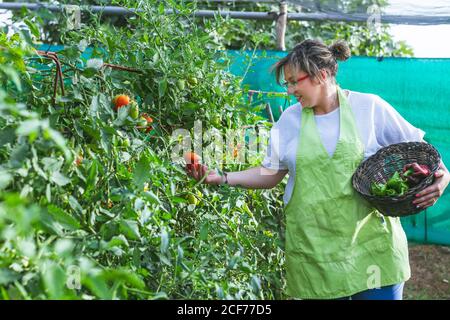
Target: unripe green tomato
x=216, y=120
x=125, y=142
x=133, y=112
x=142, y=122
x=181, y=84
x=192, y=199
x=199, y=196
x=193, y=81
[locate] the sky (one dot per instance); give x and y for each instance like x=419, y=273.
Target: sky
x=426, y=41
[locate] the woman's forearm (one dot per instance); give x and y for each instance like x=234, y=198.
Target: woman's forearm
x=256, y=178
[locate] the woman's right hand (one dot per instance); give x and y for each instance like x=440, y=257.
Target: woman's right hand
x=199, y=171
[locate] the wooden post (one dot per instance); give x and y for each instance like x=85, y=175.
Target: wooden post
x=281, y=26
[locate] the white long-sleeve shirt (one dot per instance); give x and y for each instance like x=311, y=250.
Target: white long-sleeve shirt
x=378, y=123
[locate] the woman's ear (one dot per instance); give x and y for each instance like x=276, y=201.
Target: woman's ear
x=323, y=75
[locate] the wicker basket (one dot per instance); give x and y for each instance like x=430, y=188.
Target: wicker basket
x=383, y=164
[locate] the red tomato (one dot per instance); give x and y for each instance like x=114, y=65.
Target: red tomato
x=120, y=101
x=192, y=160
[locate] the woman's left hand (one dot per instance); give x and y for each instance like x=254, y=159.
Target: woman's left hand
x=429, y=196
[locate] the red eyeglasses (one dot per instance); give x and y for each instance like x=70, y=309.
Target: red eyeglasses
x=288, y=84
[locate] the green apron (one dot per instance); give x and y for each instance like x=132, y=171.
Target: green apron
x=336, y=243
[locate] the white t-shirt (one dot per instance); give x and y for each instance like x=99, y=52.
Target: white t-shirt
x=378, y=123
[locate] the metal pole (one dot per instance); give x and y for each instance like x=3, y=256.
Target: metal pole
x=280, y=109
x=269, y=112
x=233, y=14
x=108, y=10
x=394, y=19
x=111, y=10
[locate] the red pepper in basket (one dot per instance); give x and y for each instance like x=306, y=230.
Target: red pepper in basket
x=419, y=170
x=415, y=172
x=426, y=171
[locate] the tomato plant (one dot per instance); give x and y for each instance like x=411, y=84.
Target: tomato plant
x=93, y=207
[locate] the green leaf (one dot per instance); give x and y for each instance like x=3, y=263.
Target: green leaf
x=92, y=178
x=98, y=286
x=36, y=167
x=51, y=164
x=59, y=140
x=94, y=107
x=33, y=28
x=180, y=252
x=7, y=135
x=29, y=126
x=64, y=247
x=130, y=229
x=162, y=87
x=105, y=141
x=18, y=155
x=58, y=178
x=75, y=205
x=123, y=275
x=178, y=200
x=122, y=115
x=5, y=179
x=54, y=280
x=149, y=195
x=256, y=284
x=118, y=241
x=164, y=259
x=204, y=231
x=141, y=173
x=26, y=190
x=63, y=217
x=91, y=131
x=27, y=247
x=12, y=75
x=7, y=276
x=164, y=241
x=161, y=8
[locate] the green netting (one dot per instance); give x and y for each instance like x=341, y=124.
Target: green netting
x=417, y=88
x=255, y=67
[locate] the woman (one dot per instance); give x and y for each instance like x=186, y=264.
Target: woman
x=337, y=245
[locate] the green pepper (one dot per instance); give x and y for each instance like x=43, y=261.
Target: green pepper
x=378, y=189
x=395, y=182
x=408, y=172
x=395, y=186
